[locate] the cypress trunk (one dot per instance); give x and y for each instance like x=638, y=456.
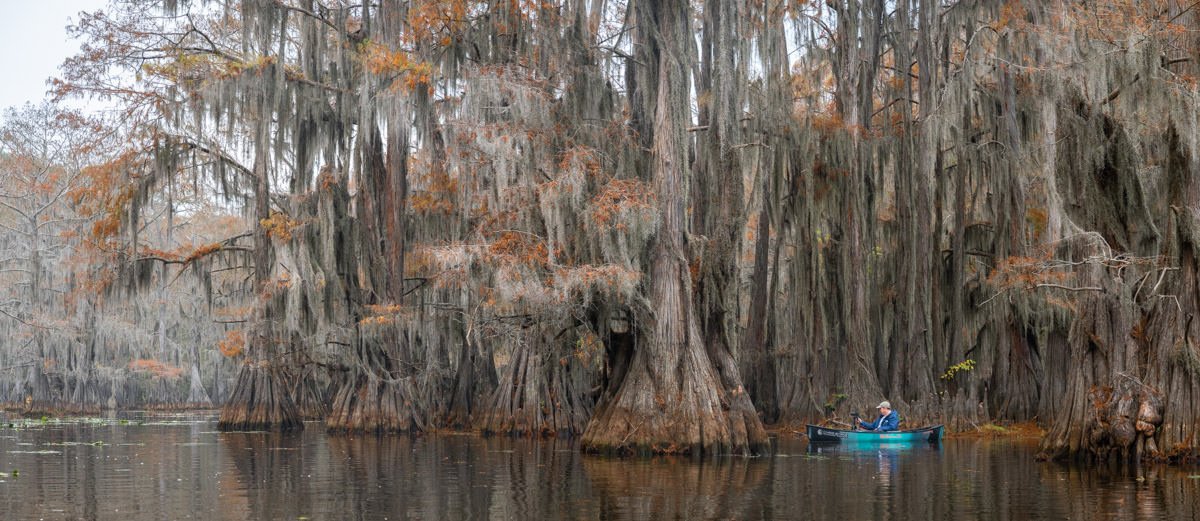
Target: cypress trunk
x=675, y=397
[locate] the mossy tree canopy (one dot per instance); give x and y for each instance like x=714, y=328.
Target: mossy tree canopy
x=559, y=217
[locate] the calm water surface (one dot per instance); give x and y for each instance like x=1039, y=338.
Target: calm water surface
x=158, y=467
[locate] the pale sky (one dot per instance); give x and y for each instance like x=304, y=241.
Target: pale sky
x=33, y=43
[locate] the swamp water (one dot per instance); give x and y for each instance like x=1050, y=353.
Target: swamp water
x=178, y=466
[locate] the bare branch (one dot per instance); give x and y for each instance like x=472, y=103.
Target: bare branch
x=1067, y=288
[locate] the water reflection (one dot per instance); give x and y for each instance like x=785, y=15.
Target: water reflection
x=668, y=488
x=1129, y=491
x=179, y=467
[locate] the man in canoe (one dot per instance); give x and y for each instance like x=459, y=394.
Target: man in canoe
x=888, y=419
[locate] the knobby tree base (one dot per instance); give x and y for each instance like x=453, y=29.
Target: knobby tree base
x=537, y=397
x=371, y=404
x=675, y=412
x=259, y=401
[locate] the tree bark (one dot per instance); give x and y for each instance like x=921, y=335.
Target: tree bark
x=260, y=397
x=674, y=398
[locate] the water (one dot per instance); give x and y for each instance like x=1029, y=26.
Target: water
x=156, y=467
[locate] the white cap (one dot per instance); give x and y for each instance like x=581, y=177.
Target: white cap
x=884, y=405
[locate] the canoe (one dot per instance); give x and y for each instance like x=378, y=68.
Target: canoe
x=818, y=434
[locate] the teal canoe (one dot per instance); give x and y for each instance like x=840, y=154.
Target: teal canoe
x=818, y=434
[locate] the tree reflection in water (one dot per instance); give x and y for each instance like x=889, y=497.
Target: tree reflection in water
x=183, y=469
x=680, y=488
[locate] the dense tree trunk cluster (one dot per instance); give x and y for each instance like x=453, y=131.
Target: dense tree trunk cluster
x=655, y=224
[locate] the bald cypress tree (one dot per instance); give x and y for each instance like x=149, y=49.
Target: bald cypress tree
x=651, y=223
x=674, y=396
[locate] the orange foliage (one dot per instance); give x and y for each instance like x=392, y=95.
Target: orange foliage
x=105, y=194
x=383, y=309
x=437, y=20
x=381, y=314
x=233, y=344
x=580, y=156
x=274, y=287
x=109, y=224
x=380, y=320
x=618, y=196
x=201, y=251
x=96, y=283
x=588, y=346
x=1025, y=272
x=233, y=312
x=152, y=252
x=828, y=121
x=1110, y=22
x=606, y=277
x=155, y=368
x=1012, y=14
x=327, y=180
x=522, y=248
x=419, y=262
x=279, y=226
x=384, y=61
x=1115, y=20
x=433, y=193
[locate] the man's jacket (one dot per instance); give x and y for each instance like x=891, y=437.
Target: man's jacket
x=890, y=422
